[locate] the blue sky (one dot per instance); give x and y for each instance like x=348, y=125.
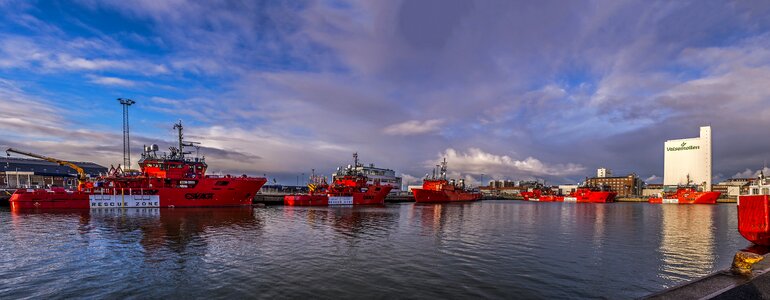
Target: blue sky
x=511, y=89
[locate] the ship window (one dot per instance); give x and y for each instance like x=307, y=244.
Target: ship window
x=222, y=183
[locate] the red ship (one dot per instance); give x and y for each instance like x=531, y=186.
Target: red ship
x=754, y=212
x=168, y=180
x=541, y=195
x=438, y=189
x=350, y=189
x=686, y=195
x=591, y=195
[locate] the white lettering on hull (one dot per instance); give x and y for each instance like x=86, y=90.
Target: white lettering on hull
x=340, y=200
x=106, y=201
x=570, y=199
x=671, y=200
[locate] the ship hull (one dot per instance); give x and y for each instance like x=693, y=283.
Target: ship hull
x=592, y=197
x=237, y=192
x=549, y=198
x=688, y=198
x=373, y=196
x=429, y=196
x=754, y=218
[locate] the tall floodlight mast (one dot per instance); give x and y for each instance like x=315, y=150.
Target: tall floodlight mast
x=126, y=139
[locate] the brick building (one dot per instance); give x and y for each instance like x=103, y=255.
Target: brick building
x=625, y=186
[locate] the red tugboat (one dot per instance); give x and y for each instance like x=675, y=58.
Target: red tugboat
x=168, y=180
x=754, y=212
x=591, y=195
x=438, y=189
x=687, y=194
x=350, y=189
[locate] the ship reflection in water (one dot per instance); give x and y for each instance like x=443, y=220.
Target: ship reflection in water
x=687, y=243
x=487, y=249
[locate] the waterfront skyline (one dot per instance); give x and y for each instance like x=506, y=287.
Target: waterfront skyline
x=551, y=90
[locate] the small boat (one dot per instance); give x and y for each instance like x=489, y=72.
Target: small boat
x=351, y=188
x=438, y=189
x=754, y=212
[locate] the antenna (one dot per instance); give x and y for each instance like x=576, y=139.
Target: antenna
x=125, y=102
x=355, y=160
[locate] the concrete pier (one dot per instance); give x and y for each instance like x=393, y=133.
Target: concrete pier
x=724, y=285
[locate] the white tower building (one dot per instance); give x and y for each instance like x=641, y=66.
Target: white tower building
x=688, y=159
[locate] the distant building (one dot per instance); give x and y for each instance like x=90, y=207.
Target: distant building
x=688, y=160
x=603, y=172
x=36, y=173
x=652, y=190
x=501, y=183
x=497, y=191
x=733, y=187
x=625, y=186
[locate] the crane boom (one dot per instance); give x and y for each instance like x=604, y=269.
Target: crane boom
x=78, y=169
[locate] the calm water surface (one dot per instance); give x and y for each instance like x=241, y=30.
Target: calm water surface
x=487, y=249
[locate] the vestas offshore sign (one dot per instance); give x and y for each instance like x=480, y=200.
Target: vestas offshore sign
x=682, y=147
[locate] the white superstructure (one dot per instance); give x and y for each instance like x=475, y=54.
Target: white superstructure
x=688, y=159
x=384, y=176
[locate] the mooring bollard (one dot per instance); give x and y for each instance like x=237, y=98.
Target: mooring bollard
x=743, y=261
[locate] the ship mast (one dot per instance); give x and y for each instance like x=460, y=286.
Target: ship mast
x=443, y=169
x=178, y=126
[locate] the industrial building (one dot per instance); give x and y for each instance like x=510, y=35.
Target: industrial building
x=688, y=161
x=35, y=173
x=625, y=186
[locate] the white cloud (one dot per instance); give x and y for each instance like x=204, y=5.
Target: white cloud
x=476, y=161
x=748, y=173
x=653, y=179
x=407, y=179
x=106, y=80
x=414, y=127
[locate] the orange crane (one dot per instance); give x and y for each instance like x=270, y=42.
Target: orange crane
x=81, y=172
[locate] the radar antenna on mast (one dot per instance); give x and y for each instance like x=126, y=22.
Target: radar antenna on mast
x=180, y=151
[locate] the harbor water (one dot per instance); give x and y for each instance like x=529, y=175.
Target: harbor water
x=485, y=249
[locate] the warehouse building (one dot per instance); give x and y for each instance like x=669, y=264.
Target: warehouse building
x=35, y=173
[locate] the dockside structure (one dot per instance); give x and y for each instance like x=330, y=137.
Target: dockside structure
x=35, y=173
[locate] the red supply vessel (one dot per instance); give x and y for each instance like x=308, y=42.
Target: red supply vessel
x=591, y=195
x=754, y=212
x=541, y=195
x=350, y=189
x=686, y=195
x=168, y=180
x=437, y=189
